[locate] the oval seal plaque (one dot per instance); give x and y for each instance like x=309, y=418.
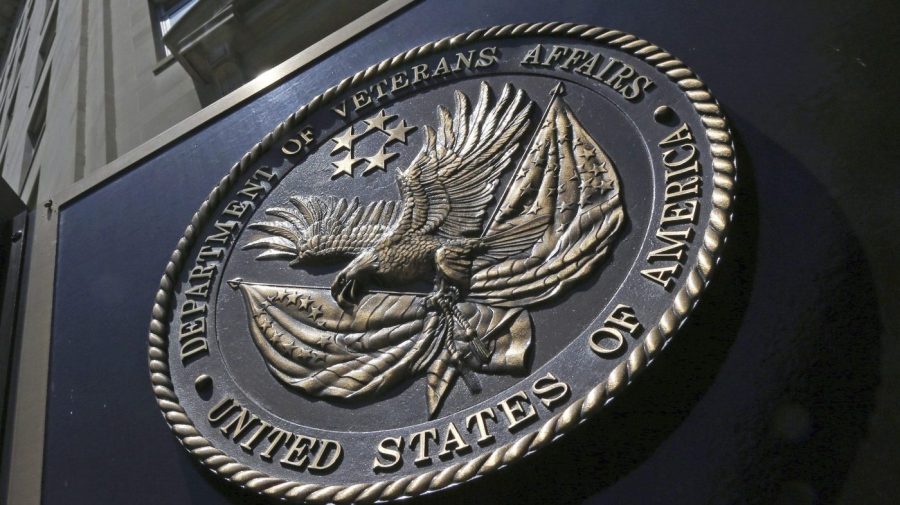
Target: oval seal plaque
x=442, y=263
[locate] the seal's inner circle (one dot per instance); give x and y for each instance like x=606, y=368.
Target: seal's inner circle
x=561, y=139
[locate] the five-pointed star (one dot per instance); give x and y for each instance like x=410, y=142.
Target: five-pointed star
x=398, y=132
x=377, y=121
x=535, y=209
x=344, y=141
x=344, y=166
x=315, y=312
x=567, y=206
x=378, y=160
x=601, y=185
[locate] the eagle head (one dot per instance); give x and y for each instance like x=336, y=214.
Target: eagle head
x=349, y=285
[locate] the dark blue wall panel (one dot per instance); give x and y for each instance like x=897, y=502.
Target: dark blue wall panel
x=789, y=322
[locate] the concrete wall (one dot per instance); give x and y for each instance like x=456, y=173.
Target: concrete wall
x=108, y=91
x=109, y=86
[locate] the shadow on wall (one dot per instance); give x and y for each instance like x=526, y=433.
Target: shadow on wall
x=761, y=398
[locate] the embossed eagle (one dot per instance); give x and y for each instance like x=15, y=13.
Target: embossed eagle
x=553, y=225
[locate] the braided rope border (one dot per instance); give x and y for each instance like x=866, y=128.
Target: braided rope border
x=724, y=177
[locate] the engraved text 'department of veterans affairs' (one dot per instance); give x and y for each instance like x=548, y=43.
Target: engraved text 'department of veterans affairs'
x=442, y=263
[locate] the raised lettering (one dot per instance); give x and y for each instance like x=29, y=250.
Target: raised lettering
x=190, y=308
x=464, y=60
x=533, y=56
x=681, y=135
x=420, y=440
x=238, y=426
x=634, y=91
x=477, y=420
x=555, y=54
x=518, y=410
x=442, y=68
x=453, y=443
x=297, y=455
x=389, y=457
x=487, y=57
x=550, y=390
x=679, y=213
x=225, y=231
x=399, y=81
x=277, y=437
x=689, y=187
x=361, y=99
x=221, y=410
x=328, y=456
x=662, y=276
x=575, y=57
x=420, y=73
x=254, y=439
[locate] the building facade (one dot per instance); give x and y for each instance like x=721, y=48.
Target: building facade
x=118, y=116
x=85, y=81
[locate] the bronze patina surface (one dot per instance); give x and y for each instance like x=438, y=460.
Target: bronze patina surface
x=442, y=263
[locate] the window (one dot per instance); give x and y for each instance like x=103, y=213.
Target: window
x=9, y=68
x=167, y=14
x=22, y=53
x=32, y=198
x=10, y=105
x=36, y=127
x=23, y=25
x=46, y=44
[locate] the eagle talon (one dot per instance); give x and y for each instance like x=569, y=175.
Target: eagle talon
x=436, y=301
x=444, y=297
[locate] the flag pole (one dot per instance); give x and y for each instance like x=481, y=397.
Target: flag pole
x=555, y=93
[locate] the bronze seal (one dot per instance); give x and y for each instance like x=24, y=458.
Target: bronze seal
x=442, y=263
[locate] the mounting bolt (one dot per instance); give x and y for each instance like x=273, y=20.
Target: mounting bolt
x=17, y=235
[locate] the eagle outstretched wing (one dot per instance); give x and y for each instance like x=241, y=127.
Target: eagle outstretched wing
x=322, y=227
x=448, y=186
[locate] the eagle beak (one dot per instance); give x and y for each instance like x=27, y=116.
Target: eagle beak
x=345, y=291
